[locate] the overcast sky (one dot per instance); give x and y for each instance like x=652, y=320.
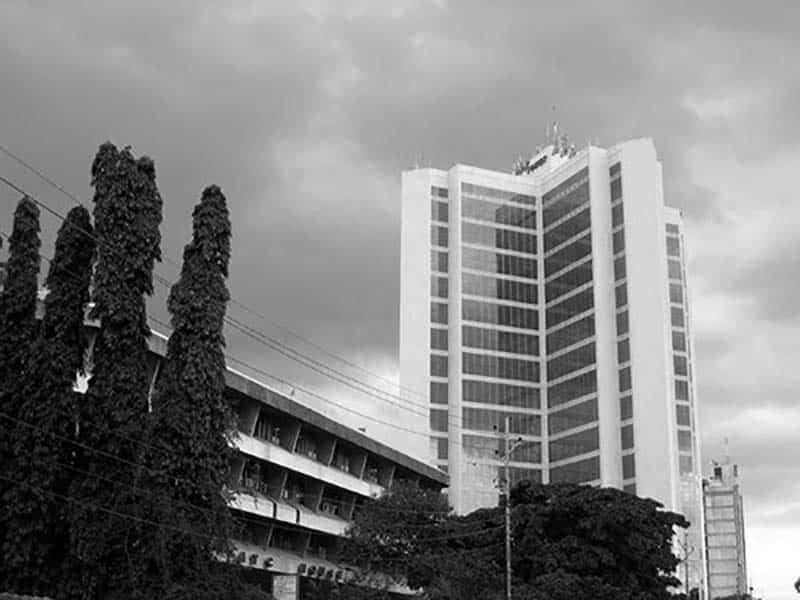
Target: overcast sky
x=306, y=114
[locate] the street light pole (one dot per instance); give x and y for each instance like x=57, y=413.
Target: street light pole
x=507, y=493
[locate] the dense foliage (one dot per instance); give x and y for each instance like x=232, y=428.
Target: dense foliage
x=37, y=541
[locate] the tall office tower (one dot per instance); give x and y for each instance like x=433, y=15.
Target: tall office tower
x=727, y=567
x=554, y=295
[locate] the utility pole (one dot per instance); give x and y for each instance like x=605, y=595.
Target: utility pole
x=509, y=447
x=688, y=550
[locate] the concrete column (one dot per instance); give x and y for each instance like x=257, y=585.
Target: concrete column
x=286, y=587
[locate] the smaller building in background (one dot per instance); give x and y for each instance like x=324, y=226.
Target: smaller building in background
x=724, y=514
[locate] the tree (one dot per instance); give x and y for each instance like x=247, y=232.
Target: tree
x=106, y=528
x=17, y=331
x=36, y=543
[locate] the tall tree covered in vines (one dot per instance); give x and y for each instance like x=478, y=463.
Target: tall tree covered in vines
x=17, y=330
x=107, y=530
x=37, y=541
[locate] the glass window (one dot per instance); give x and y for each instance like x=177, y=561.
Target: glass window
x=439, y=236
x=438, y=420
x=480, y=210
x=438, y=365
x=629, y=488
x=673, y=246
x=679, y=341
x=626, y=408
x=438, y=392
x=502, y=341
x=502, y=394
x=569, y=281
x=484, y=235
x=439, y=339
x=677, y=317
x=623, y=350
x=527, y=451
x=575, y=444
x=484, y=419
x=614, y=169
x=566, y=197
x=573, y=360
x=672, y=228
x=679, y=362
x=681, y=389
x=581, y=385
x=438, y=261
x=499, y=314
x=684, y=440
x=571, y=334
x=686, y=464
x=504, y=195
x=683, y=415
x=580, y=471
x=478, y=446
x=674, y=269
x=494, y=262
x=499, y=366
x=617, y=215
x=438, y=313
x=502, y=289
x=628, y=466
x=439, y=286
x=626, y=436
x=618, y=241
x=621, y=293
x=441, y=448
x=622, y=323
x=438, y=192
x=616, y=189
x=567, y=229
x=571, y=307
x=625, y=379
x=619, y=268
x=676, y=293
x=439, y=211
x=568, y=255
x=574, y=416
x=517, y=474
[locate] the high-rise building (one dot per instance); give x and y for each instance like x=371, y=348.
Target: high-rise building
x=554, y=295
x=724, y=514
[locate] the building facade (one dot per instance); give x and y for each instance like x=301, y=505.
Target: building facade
x=724, y=513
x=554, y=295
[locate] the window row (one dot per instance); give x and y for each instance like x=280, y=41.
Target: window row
x=676, y=293
x=439, y=211
x=617, y=215
x=623, y=324
x=439, y=236
x=438, y=392
x=501, y=341
x=485, y=235
x=571, y=307
x=502, y=394
x=572, y=417
x=616, y=189
x=501, y=289
x=571, y=334
x=494, y=262
x=438, y=192
x=580, y=471
x=439, y=313
x=566, y=197
x=438, y=339
x=618, y=241
x=574, y=360
x=438, y=365
x=674, y=269
x=438, y=419
x=576, y=387
x=568, y=255
x=620, y=270
x=567, y=229
x=621, y=295
x=626, y=408
x=500, y=314
x=628, y=466
x=682, y=390
x=626, y=436
x=625, y=379
x=673, y=246
x=504, y=195
x=438, y=261
x=472, y=208
x=683, y=415
x=500, y=367
x=484, y=419
x=568, y=281
x=439, y=287
x=575, y=444
x=623, y=350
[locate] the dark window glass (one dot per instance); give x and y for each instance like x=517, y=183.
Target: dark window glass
x=626, y=437
x=614, y=169
x=494, y=262
x=568, y=281
x=500, y=314
x=501, y=394
x=626, y=408
x=581, y=385
x=565, y=198
x=438, y=313
x=438, y=192
x=621, y=293
x=623, y=350
x=574, y=416
x=628, y=466
x=582, y=442
x=617, y=215
x=439, y=287
x=528, y=451
x=673, y=246
x=625, y=379
x=439, y=339
x=502, y=289
x=616, y=189
x=502, y=341
x=484, y=235
x=441, y=448
x=439, y=261
x=439, y=236
x=571, y=334
x=681, y=389
x=580, y=471
x=571, y=307
x=618, y=241
x=438, y=420
x=500, y=366
x=682, y=415
x=567, y=229
x=517, y=474
x=573, y=360
x=504, y=195
x=672, y=228
x=479, y=446
x=677, y=317
x=483, y=419
x=439, y=211
x=438, y=365
x=674, y=268
x=622, y=323
x=684, y=440
x=679, y=341
x=629, y=488
x=679, y=362
x=676, y=293
x=472, y=208
x=619, y=268
x=568, y=255
x=438, y=392
x=686, y=464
